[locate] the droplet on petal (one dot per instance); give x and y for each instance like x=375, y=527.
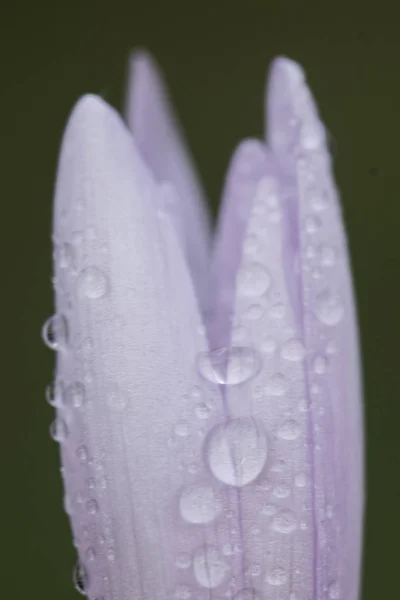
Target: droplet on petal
x=55, y=332
x=209, y=566
x=229, y=366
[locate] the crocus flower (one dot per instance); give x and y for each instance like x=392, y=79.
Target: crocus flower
x=208, y=408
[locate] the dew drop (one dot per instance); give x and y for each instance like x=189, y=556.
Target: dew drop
x=311, y=136
x=64, y=256
x=293, y=350
x=93, y=283
x=269, y=345
x=253, y=280
x=202, y=411
x=54, y=393
x=300, y=479
x=183, y=592
x=281, y=490
x=59, y=430
x=116, y=398
x=55, y=332
x=237, y=451
x=181, y=429
x=277, y=311
x=90, y=554
x=276, y=576
x=312, y=224
x=229, y=366
x=289, y=430
x=209, y=566
x=268, y=509
x=111, y=554
x=183, y=560
x=199, y=503
x=329, y=308
x=254, y=312
x=92, y=507
x=82, y=454
x=75, y=395
x=320, y=365
x=334, y=591
x=277, y=385
x=80, y=578
x=247, y=594
x=284, y=521
x=327, y=255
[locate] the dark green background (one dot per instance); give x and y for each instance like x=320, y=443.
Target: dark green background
x=215, y=57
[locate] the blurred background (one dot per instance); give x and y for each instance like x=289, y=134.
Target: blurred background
x=214, y=56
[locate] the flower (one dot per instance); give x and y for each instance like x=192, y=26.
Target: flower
x=208, y=409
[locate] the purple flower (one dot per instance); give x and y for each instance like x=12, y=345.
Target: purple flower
x=208, y=409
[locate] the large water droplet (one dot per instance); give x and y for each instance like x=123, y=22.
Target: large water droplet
x=289, y=430
x=55, y=332
x=229, y=366
x=54, y=393
x=209, y=566
x=293, y=350
x=253, y=280
x=199, y=503
x=59, y=430
x=75, y=395
x=276, y=576
x=329, y=308
x=93, y=283
x=80, y=578
x=284, y=521
x=237, y=451
x=65, y=256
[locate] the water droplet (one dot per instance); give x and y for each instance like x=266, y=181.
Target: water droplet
x=54, y=393
x=247, y=594
x=277, y=311
x=277, y=385
x=111, y=554
x=209, y=566
x=331, y=347
x=90, y=554
x=281, y=490
x=269, y=345
x=284, y=521
x=253, y=280
x=182, y=429
x=202, y=411
x=80, y=578
x=183, y=560
x=93, y=283
x=293, y=350
x=59, y=430
x=55, y=332
x=92, y=507
x=199, y=503
x=251, y=245
x=327, y=255
x=237, y=451
x=311, y=136
x=75, y=395
x=276, y=576
x=82, y=454
x=116, y=398
x=334, y=591
x=65, y=256
x=229, y=366
x=329, y=308
x=183, y=592
x=320, y=365
x=268, y=509
x=318, y=201
x=254, y=312
x=289, y=430
x=300, y=479
x=312, y=224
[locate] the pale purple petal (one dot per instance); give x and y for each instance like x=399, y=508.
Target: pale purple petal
x=330, y=333
x=161, y=143
x=130, y=412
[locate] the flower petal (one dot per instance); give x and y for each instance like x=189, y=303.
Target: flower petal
x=329, y=328
x=130, y=405
x=160, y=141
